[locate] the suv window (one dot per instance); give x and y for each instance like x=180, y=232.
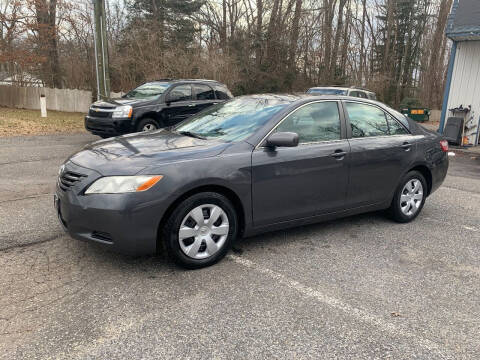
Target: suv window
x=203, y=92
x=394, y=126
x=326, y=91
x=222, y=92
x=359, y=94
x=180, y=93
x=314, y=122
x=366, y=120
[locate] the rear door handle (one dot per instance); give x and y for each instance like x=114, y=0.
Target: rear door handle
x=338, y=154
x=192, y=105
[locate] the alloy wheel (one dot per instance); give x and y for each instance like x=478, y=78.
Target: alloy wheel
x=203, y=231
x=411, y=197
x=149, y=127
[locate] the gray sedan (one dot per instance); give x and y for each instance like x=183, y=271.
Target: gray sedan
x=250, y=165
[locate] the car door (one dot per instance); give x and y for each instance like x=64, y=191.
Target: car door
x=204, y=96
x=179, y=104
x=381, y=150
x=306, y=180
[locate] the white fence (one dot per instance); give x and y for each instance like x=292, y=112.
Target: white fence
x=57, y=99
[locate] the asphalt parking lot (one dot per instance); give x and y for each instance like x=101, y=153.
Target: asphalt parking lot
x=356, y=288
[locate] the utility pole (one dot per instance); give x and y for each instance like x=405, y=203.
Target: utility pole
x=101, y=50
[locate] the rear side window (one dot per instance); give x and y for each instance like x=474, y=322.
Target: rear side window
x=203, y=92
x=395, y=127
x=366, y=120
x=180, y=93
x=359, y=94
x=320, y=91
x=222, y=92
x=313, y=122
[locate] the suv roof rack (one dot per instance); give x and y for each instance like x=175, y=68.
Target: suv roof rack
x=171, y=79
x=350, y=87
x=360, y=88
x=196, y=80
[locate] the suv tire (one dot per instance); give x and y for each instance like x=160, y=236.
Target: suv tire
x=147, y=124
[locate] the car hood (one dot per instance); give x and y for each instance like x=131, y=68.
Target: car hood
x=112, y=103
x=129, y=154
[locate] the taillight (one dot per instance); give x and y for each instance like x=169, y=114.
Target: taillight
x=444, y=145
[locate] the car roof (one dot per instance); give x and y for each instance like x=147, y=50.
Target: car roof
x=341, y=88
x=279, y=98
x=303, y=98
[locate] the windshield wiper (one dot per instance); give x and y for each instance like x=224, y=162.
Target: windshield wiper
x=188, y=133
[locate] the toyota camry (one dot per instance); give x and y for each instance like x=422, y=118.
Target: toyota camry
x=246, y=166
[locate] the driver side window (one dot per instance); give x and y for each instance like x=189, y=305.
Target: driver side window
x=313, y=122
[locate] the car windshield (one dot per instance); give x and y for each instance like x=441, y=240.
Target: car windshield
x=327, y=92
x=233, y=120
x=147, y=91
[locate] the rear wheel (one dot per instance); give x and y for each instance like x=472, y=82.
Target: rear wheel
x=147, y=124
x=200, y=230
x=409, y=197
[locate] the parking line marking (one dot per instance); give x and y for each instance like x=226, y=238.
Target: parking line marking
x=339, y=305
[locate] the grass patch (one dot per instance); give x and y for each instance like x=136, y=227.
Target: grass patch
x=15, y=122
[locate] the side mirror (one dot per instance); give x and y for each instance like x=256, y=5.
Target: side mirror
x=282, y=139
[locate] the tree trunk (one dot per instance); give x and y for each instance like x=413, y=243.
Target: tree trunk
x=336, y=43
x=433, y=76
x=294, y=36
x=258, y=34
x=47, y=34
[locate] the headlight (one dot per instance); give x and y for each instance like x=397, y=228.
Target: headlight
x=123, y=184
x=123, y=112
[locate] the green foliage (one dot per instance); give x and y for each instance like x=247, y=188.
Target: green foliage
x=170, y=19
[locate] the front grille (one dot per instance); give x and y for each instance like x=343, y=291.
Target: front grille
x=99, y=113
x=68, y=178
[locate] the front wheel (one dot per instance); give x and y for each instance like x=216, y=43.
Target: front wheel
x=200, y=230
x=409, y=197
x=147, y=125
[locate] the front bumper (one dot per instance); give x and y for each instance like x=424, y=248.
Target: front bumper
x=109, y=126
x=125, y=223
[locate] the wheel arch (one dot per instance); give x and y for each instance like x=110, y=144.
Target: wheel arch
x=220, y=189
x=427, y=174
x=157, y=116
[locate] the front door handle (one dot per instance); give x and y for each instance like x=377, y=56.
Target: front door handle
x=338, y=154
x=191, y=105
x=406, y=145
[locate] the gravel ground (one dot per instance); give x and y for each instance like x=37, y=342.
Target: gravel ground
x=361, y=287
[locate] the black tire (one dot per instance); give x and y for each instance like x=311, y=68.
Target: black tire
x=170, y=232
x=147, y=122
x=395, y=209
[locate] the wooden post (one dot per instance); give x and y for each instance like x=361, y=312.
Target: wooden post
x=43, y=106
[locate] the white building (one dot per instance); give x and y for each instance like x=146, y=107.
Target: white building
x=463, y=77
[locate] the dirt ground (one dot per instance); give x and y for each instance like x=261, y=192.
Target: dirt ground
x=16, y=122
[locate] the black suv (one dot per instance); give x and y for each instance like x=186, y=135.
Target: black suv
x=154, y=105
